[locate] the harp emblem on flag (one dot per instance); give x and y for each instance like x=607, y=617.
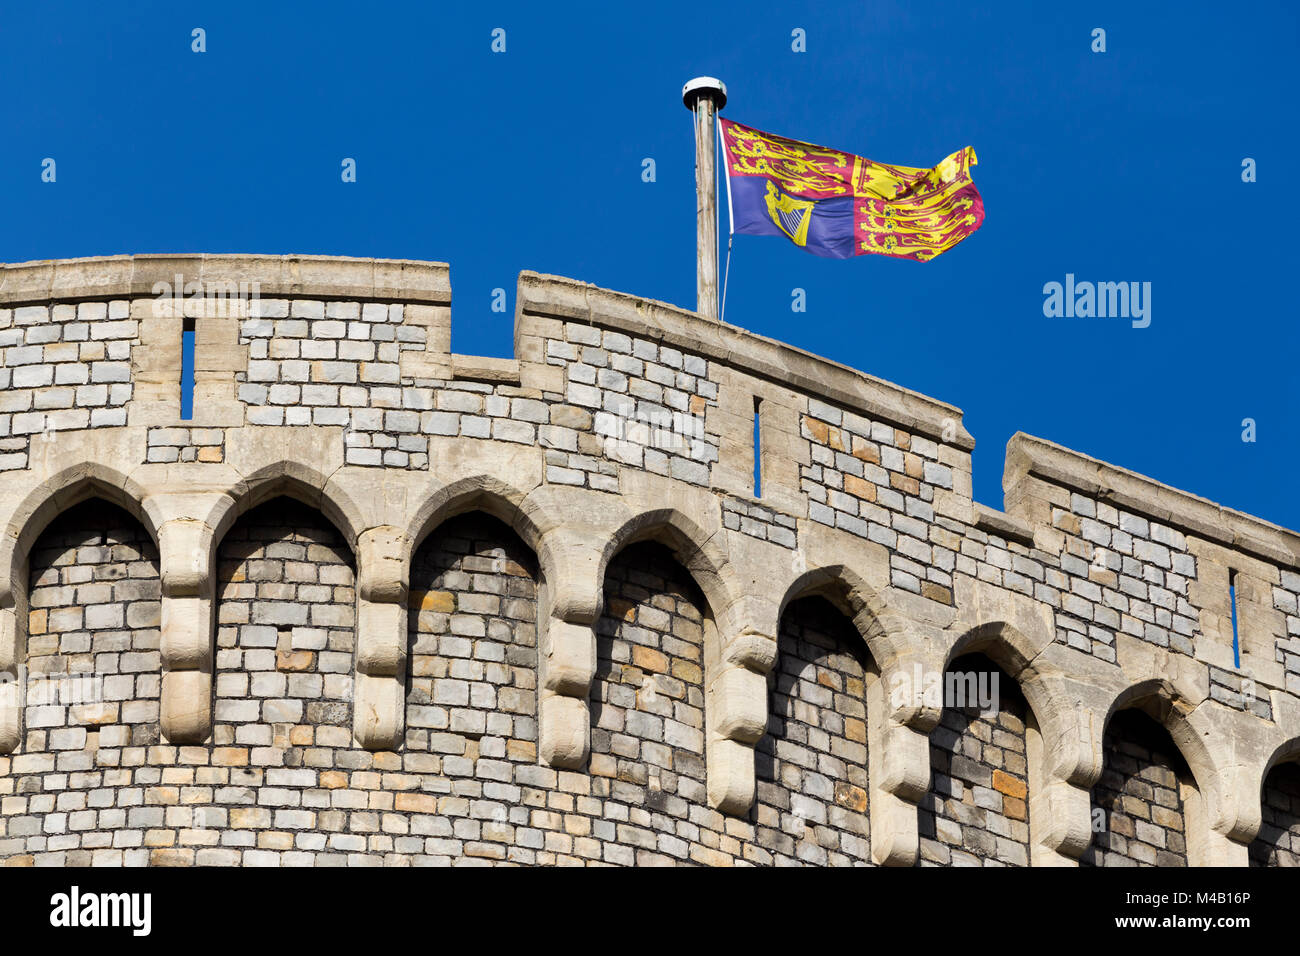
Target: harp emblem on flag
x=791, y=215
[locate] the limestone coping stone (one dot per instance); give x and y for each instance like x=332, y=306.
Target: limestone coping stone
x=121, y=277
x=558, y=297
x=1139, y=494
x=996, y=522
x=481, y=368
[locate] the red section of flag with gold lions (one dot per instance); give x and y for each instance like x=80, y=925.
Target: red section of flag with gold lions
x=835, y=204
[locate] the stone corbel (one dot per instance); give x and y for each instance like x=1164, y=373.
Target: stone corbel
x=1221, y=806
x=379, y=692
x=736, y=712
x=1060, y=809
x=184, y=548
x=898, y=771
x=568, y=667
x=12, y=653
x=1210, y=841
x=899, y=720
x=571, y=605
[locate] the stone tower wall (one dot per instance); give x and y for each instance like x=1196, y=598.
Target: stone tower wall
x=375, y=602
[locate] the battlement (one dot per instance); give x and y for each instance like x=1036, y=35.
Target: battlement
x=619, y=423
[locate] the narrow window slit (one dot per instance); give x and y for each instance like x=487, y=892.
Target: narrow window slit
x=758, y=449
x=187, y=370
x=1232, y=596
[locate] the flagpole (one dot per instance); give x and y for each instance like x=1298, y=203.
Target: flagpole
x=731, y=226
x=704, y=96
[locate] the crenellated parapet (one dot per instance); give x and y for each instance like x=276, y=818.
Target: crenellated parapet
x=619, y=421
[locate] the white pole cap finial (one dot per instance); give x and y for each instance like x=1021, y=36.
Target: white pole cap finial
x=709, y=86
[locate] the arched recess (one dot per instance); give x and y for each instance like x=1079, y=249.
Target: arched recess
x=482, y=493
x=288, y=479
x=93, y=666
x=27, y=521
x=1056, y=734
x=977, y=810
x=812, y=767
x=57, y=494
x=285, y=580
x=471, y=687
x=878, y=625
x=694, y=550
x=646, y=702
x=1278, y=841
x=897, y=766
x=1148, y=809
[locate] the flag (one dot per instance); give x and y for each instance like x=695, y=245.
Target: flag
x=839, y=205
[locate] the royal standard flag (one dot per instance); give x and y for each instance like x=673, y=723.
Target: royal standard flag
x=839, y=205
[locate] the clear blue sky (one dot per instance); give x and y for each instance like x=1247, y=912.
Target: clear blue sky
x=1117, y=166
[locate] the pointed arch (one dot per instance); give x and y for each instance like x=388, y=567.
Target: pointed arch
x=57, y=494
x=977, y=810
x=1278, y=841
x=812, y=794
x=294, y=480
x=286, y=624
x=1162, y=811
x=1286, y=752
x=472, y=610
x=1171, y=707
x=646, y=702
x=502, y=500
x=881, y=628
x=702, y=557
x=1016, y=654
